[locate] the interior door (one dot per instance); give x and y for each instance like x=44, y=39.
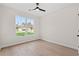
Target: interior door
x=78, y=36
x=78, y=32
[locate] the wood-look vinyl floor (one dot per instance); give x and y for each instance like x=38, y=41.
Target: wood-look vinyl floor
x=38, y=48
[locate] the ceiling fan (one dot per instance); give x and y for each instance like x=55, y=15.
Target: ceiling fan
x=38, y=8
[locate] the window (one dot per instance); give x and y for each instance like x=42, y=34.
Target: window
x=24, y=26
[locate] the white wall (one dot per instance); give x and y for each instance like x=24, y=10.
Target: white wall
x=8, y=27
x=60, y=27
x=0, y=27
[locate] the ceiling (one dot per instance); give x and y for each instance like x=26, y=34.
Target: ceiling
x=49, y=7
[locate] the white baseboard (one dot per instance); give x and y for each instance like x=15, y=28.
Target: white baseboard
x=12, y=44
x=65, y=45
x=7, y=45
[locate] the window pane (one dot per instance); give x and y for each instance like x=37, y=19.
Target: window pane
x=24, y=26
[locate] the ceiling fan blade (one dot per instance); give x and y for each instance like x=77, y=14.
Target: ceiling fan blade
x=42, y=9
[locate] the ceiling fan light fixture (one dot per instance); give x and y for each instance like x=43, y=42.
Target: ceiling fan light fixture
x=37, y=9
